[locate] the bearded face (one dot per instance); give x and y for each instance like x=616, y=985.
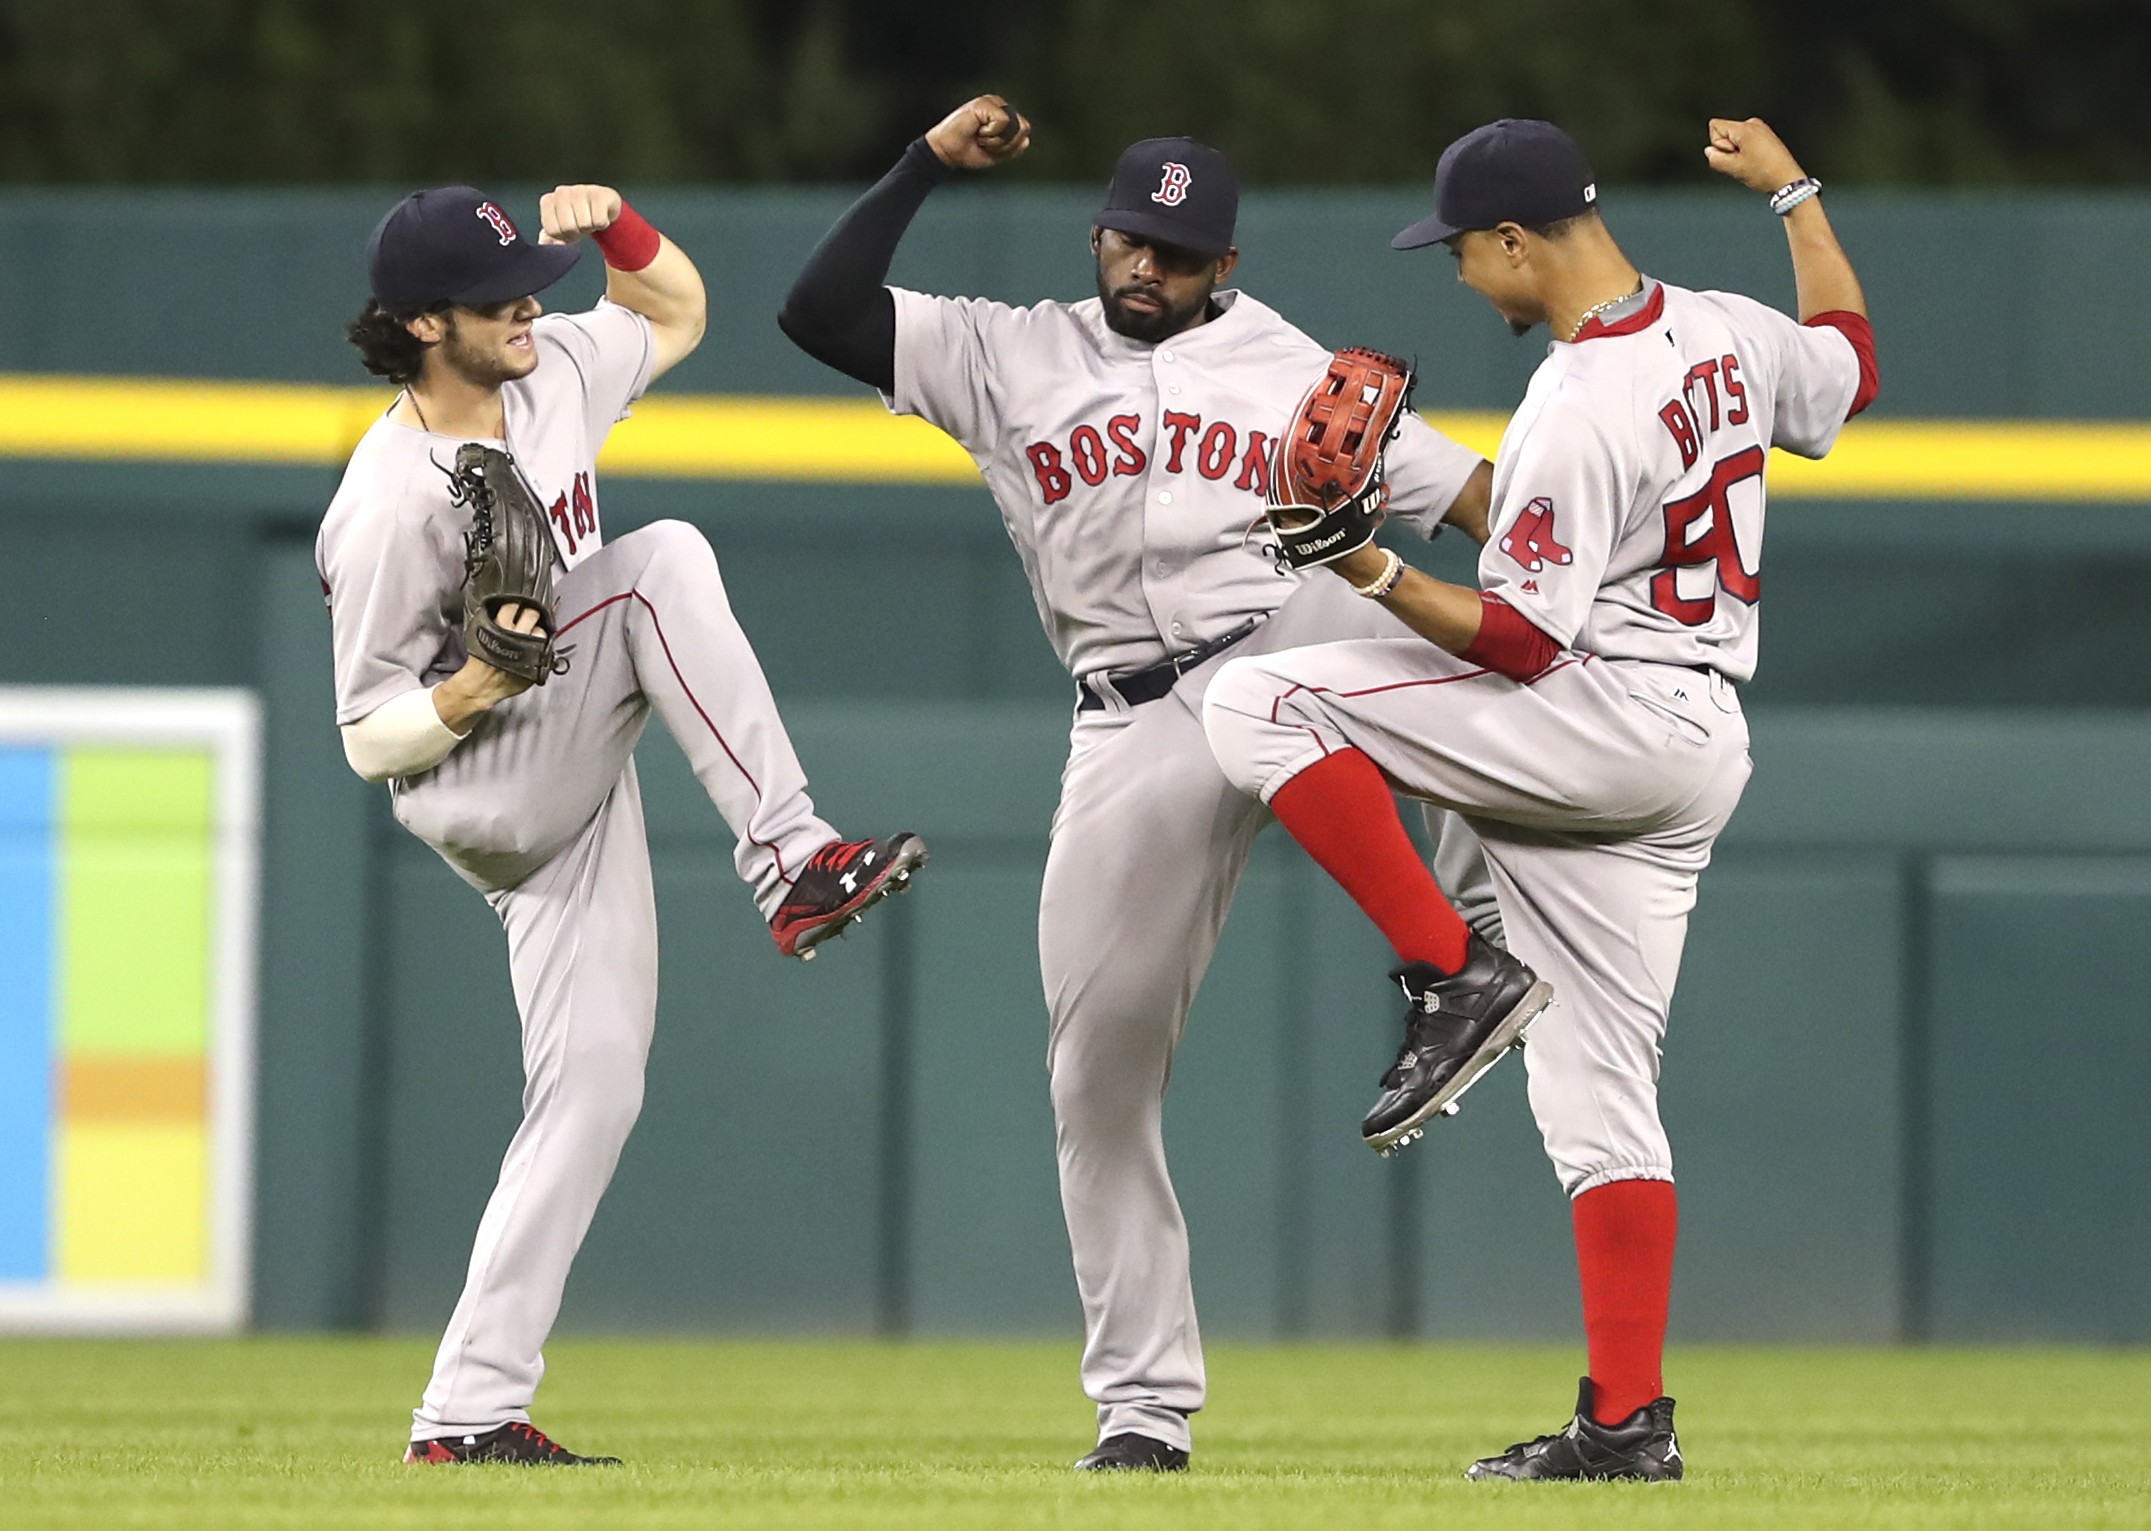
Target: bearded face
x=1151, y=291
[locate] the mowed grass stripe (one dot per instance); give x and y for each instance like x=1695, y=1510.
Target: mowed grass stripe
x=856, y=441
x=297, y=1432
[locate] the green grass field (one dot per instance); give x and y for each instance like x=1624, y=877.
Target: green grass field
x=306, y=1433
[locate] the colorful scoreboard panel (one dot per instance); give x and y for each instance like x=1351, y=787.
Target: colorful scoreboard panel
x=129, y=827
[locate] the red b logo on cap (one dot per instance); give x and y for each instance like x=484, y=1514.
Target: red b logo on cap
x=1173, y=190
x=499, y=220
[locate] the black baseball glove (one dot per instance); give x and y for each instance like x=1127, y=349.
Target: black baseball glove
x=1326, y=493
x=509, y=560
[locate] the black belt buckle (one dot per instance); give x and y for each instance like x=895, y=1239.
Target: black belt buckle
x=1136, y=687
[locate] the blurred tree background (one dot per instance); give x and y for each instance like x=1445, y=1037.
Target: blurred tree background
x=1947, y=92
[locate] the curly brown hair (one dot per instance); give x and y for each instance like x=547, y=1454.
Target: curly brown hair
x=386, y=347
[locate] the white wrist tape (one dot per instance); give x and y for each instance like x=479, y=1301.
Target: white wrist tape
x=401, y=737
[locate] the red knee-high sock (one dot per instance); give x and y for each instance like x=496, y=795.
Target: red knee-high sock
x=1624, y=1252
x=1340, y=811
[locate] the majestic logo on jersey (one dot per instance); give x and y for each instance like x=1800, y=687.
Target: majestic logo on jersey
x=1093, y=455
x=1531, y=540
x=1173, y=189
x=501, y=224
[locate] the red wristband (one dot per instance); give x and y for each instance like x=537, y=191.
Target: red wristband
x=629, y=243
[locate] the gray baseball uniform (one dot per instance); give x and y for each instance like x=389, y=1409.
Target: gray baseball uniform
x=539, y=809
x=1127, y=475
x=1627, y=525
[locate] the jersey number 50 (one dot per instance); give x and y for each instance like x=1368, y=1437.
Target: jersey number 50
x=1699, y=530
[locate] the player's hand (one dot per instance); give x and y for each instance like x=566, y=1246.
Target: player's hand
x=1751, y=154
x=569, y=213
x=979, y=134
x=478, y=686
x=1361, y=565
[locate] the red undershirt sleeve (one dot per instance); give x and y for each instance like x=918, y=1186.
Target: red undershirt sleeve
x=1508, y=643
x=1855, y=328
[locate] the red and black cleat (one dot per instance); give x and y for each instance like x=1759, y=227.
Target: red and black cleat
x=839, y=883
x=521, y=1444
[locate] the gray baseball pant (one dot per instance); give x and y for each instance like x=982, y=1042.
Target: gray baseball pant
x=1594, y=795
x=1148, y=845
x=540, y=810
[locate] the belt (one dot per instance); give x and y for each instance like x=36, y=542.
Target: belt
x=1135, y=687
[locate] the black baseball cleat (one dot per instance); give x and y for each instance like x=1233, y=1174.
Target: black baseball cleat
x=839, y=883
x=1130, y=1452
x=523, y=1445
x=1458, y=1027
x=1640, y=1446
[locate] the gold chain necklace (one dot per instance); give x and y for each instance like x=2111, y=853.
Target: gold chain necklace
x=1598, y=308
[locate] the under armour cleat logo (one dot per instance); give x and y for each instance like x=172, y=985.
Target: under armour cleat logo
x=850, y=880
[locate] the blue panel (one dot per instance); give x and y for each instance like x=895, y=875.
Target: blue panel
x=26, y=1011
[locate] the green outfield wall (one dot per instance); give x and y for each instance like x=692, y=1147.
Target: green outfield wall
x=1908, y=1061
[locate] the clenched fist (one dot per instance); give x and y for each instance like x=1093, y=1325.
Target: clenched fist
x=979, y=134
x=568, y=213
x=1751, y=154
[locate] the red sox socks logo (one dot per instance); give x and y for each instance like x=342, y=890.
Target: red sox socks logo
x=1173, y=190
x=1531, y=540
x=499, y=220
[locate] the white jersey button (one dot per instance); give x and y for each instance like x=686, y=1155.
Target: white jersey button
x=1165, y=356
x=1165, y=497
x=1176, y=629
x=1172, y=387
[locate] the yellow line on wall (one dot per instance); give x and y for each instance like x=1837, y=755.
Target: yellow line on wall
x=856, y=441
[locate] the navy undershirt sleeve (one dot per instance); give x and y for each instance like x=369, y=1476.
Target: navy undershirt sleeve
x=839, y=311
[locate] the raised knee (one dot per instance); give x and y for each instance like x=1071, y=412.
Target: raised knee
x=1240, y=686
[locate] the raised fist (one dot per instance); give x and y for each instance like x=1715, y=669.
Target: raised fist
x=1751, y=154
x=568, y=213
x=981, y=133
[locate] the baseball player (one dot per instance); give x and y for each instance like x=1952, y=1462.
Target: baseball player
x=1127, y=440
x=1579, y=710
x=529, y=791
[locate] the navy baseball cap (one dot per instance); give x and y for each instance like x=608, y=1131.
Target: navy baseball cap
x=453, y=244
x=1176, y=191
x=1517, y=170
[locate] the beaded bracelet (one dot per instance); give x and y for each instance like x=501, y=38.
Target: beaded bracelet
x=1386, y=581
x=1792, y=194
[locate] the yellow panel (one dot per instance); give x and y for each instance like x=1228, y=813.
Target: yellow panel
x=834, y=440
x=133, y=1203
